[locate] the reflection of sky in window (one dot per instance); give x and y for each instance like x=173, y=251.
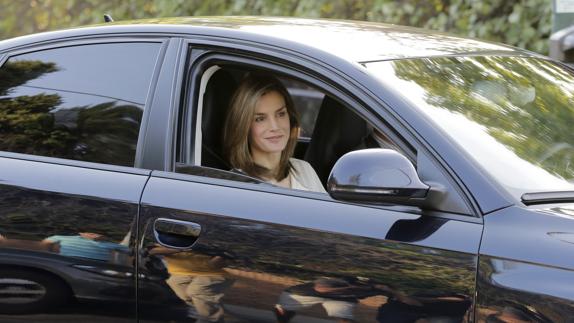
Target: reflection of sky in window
x=120, y=71
x=515, y=173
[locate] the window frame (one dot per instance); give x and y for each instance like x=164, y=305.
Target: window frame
x=208, y=52
x=189, y=122
x=115, y=39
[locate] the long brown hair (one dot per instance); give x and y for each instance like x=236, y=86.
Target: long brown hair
x=240, y=117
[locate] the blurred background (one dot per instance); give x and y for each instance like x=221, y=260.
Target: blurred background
x=523, y=23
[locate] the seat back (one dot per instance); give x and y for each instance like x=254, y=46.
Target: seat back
x=337, y=131
x=216, y=100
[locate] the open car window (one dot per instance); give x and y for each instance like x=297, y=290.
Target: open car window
x=328, y=128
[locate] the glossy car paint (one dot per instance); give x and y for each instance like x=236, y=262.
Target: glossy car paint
x=523, y=266
x=524, y=263
x=271, y=249
x=40, y=200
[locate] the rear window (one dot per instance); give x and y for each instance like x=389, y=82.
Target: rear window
x=81, y=102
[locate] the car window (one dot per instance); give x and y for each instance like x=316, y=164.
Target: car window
x=81, y=102
x=327, y=127
x=512, y=115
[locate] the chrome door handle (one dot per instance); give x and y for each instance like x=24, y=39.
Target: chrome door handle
x=176, y=233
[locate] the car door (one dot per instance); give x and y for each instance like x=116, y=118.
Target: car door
x=71, y=114
x=231, y=248
x=273, y=244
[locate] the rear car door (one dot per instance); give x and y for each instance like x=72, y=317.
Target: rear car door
x=232, y=249
x=70, y=119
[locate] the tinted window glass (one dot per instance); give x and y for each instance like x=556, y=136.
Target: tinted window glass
x=83, y=102
x=513, y=115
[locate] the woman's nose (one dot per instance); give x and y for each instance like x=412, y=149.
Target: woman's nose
x=274, y=123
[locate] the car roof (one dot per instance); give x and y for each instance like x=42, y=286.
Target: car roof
x=355, y=41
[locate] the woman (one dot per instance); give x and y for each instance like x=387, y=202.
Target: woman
x=260, y=134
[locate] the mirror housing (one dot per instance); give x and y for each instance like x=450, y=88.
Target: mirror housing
x=376, y=175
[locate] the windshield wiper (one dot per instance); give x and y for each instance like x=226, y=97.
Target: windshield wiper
x=547, y=197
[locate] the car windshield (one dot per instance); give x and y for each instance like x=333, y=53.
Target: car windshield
x=513, y=115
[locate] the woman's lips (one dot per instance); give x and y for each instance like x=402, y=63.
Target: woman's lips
x=275, y=138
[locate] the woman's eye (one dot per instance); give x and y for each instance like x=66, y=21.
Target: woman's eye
x=259, y=119
x=282, y=113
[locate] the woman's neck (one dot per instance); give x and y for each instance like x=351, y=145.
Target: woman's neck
x=267, y=160
x=271, y=162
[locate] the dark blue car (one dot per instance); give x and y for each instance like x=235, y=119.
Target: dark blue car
x=448, y=165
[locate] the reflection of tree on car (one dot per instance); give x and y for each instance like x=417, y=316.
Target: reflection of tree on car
x=485, y=87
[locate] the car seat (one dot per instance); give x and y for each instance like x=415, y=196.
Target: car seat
x=337, y=131
x=216, y=100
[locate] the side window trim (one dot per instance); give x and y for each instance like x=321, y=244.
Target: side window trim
x=138, y=162
x=158, y=144
x=62, y=43
x=75, y=163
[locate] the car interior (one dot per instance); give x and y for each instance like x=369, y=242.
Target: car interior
x=329, y=129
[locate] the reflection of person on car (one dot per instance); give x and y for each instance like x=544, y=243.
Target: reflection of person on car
x=86, y=245
x=197, y=277
x=338, y=296
x=260, y=135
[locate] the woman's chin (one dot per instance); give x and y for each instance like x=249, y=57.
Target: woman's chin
x=272, y=149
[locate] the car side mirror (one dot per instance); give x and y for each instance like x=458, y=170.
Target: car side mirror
x=376, y=175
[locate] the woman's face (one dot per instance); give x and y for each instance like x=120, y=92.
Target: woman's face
x=270, y=127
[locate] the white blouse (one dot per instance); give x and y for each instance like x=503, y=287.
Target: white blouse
x=303, y=177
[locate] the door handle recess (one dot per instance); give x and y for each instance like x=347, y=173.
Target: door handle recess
x=176, y=233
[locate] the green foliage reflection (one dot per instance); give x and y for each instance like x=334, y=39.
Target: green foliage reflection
x=37, y=124
x=526, y=104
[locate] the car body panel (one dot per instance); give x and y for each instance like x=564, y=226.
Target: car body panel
x=275, y=249
x=535, y=293
x=365, y=41
x=525, y=263
x=514, y=233
x=45, y=209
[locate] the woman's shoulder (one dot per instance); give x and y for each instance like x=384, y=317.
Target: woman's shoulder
x=306, y=175
x=299, y=164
